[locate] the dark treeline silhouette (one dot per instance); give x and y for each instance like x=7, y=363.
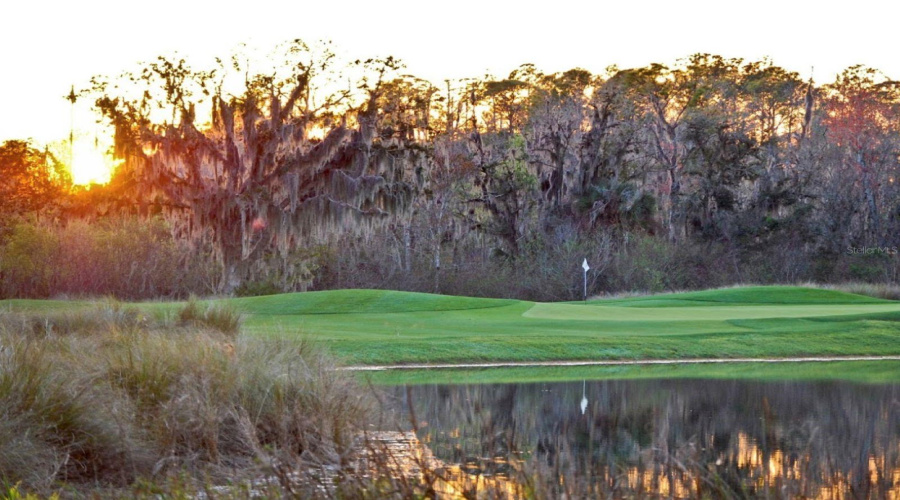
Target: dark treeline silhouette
x=320, y=174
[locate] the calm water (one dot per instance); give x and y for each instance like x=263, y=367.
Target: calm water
x=673, y=438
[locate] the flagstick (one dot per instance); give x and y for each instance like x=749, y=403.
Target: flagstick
x=585, y=266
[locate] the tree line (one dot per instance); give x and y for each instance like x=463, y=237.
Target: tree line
x=327, y=173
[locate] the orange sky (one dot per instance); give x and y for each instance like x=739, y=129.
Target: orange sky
x=49, y=45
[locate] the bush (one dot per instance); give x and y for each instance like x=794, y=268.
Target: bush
x=257, y=288
x=129, y=258
x=27, y=261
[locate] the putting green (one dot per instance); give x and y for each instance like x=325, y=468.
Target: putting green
x=701, y=313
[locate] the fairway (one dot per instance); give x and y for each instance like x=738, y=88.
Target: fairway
x=390, y=327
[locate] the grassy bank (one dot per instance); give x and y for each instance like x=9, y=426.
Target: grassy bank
x=386, y=327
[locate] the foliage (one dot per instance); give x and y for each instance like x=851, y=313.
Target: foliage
x=256, y=288
x=618, y=204
x=504, y=189
x=31, y=181
x=276, y=163
x=126, y=257
x=703, y=172
x=24, y=261
x=16, y=493
x=861, y=117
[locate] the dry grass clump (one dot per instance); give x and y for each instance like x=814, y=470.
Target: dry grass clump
x=109, y=315
x=103, y=397
x=223, y=318
x=50, y=425
x=888, y=291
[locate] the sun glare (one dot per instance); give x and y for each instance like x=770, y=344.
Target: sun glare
x=90, y=164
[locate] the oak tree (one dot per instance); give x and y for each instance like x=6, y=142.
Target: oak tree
x=279, y=156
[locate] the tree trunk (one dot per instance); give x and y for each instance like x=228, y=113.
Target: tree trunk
x=874, y=217
x=232, y=275
x=674, y=216
x=407, y=249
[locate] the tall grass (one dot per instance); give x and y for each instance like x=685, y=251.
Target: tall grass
x=888, y=291
x=223, y=318
x=104, y=396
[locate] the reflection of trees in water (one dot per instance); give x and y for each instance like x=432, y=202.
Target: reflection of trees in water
x=681, y=437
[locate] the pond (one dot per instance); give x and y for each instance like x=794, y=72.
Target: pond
x=666, y=437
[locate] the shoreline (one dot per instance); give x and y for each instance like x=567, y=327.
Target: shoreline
x=686, y=361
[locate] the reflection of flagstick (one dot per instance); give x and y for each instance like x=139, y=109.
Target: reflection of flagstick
x=584, y=400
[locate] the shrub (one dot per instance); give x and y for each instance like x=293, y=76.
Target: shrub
x=124, y=257
x=26, y=261
x=257, y=288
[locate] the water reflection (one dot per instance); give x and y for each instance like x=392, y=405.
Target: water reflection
x=673, y=438
x=584, y=401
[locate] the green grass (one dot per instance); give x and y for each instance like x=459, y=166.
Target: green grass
x=362, y=302
x=388, y=327
x=752, y=295
x=868, y=372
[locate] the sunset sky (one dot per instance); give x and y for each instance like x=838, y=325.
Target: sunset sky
x=48, y=46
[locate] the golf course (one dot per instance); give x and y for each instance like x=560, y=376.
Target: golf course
x=383, y=327
x=378, y=327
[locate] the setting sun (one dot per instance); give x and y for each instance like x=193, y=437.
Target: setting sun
x=90, y=164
